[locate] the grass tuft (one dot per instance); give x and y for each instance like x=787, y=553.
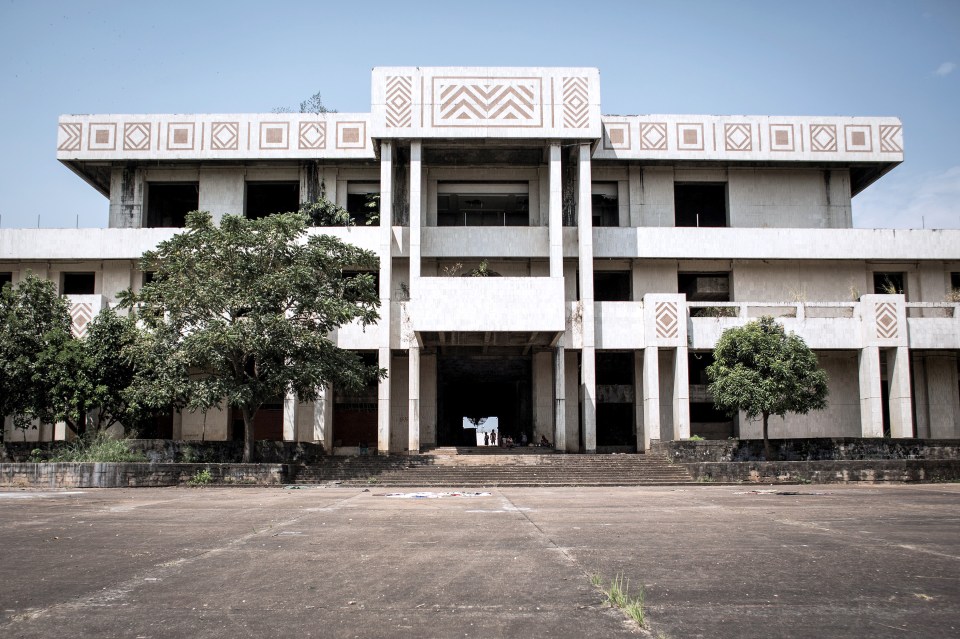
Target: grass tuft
x=97, y=447
x=618, y=596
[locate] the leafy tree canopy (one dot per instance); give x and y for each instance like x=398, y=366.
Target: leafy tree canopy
x=761, y=370
x=239, y=314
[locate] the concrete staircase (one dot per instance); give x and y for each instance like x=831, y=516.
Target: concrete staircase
x=493, y=467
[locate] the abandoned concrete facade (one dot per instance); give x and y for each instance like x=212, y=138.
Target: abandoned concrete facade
x=616, y=250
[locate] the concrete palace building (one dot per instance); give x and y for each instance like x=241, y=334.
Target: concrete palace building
x=617, y=249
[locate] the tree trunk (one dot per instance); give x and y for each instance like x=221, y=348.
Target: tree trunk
x=248, y=441
x=767, y=451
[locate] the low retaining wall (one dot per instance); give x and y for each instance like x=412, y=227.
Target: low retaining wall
x=813, y=449
x=827, y=472
x=168, y=451
x=112, y=475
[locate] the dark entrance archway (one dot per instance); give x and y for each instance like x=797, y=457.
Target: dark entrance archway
x=483, y=386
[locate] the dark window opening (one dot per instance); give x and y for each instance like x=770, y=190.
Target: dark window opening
x=706, y=420
x=605, y=208
x=350, y=292
x=6, y=278
x=268, y=198
x=955, y=281
x=355, y=411
x=363, y=203
x=484, y=209
x=611, y=286
x=701, y=204
x=78, y=283
x=169, y=203
x=615, y=399
x=888, y=283
x=704, y=287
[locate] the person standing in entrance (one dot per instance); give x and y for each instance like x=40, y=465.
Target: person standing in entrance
x=493, y=437
x=486, y=439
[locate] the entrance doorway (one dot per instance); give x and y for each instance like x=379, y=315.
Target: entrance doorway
x=476, y=387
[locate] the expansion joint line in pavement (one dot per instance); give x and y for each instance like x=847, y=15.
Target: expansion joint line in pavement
x=157, y=572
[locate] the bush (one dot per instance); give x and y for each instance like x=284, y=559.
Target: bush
x=97, y=447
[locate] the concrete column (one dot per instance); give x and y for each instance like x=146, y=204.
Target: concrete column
x=901, y=402
x=126, y=197
x=323, y=419
x=871, y=410
x=413, y=439
x=943, y=401
x=416, y=153
x=651, y=393
x=541, y=395
x=643, y=435
x=428, y=400
x=559, y=399
x=681, y=394
x=386, y=280
x=585, y=246
x=555, y=213
x=290, y=408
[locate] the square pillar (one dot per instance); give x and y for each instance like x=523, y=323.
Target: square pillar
x=555, y=213
x=413, y=423
x=383, y=402
x=871, y=409
x=559, y=399
x=588, y=377
x=386, y=281
x=290, y=409
x=416, y=184
x=651, y=393
x=643, y=436
x=901, y=401
x=681, y=394
x=323, y=419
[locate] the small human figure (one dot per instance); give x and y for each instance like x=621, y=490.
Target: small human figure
x=364, y=449
x=523, y=439
x=486, y=439
x=493, y=437
x=544, y=442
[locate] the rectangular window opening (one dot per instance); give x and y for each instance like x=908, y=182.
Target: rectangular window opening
x=78, y=283
x=604, y=204
x=888, y=283
x=700, y=204
x=611, y=286
x=483, y=204
x=6, y=277
x=268, y=198
x=363, y=203
x=704, y=287
x=169, y=202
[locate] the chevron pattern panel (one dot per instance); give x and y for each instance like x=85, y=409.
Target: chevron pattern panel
x=890, y=138
x=667, y=325
x=81, y=313
x=887, y=323
x=576, y=103
x=506, y=102
x=68, y=136
x=399, y=101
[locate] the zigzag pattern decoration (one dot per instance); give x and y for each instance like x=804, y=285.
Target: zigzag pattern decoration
x=887, y=323
x=667, y=326
x=491, y=101
x=70, y=133
x=399, y=99
x=889, y=138
x=576, y=103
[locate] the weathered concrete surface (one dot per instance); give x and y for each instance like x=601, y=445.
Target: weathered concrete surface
x=336, y=562
x=134, y=475
x=828, y=472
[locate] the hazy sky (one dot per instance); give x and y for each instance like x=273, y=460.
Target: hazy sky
x=864, y=58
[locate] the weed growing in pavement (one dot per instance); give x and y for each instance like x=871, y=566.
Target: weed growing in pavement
x=201, y=478
x=618, y=596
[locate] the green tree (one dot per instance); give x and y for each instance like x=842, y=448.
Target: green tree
x=33, y=320
x=762, y=371
x=239, y=315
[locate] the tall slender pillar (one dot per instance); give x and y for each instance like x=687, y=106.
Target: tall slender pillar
x=555, y=213
x=871, y=409
x=588, y=377
x=413, y=385
x=290, y=409
x=323, y=419
x=386, y=282
x=416, y=172
x=901, y=404
x=681, y=394
x=642, y=434
x=559, y=399
x=651, y=393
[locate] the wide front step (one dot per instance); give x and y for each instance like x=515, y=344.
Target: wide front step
x=528, y=469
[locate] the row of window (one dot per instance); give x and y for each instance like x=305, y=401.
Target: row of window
x=458, y=204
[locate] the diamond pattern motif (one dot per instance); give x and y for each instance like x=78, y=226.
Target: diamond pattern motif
x=823, y=138
x=576, y=103
x=313, y=135
x=399, y=102
x=653, y=136
x=136, y=136
x=667, y=326
x=738, y=137
x=887, y=323
x=224, y=136
x=81, y=313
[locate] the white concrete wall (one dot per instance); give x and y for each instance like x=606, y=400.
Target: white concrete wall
x=210, y=426
x=789, y=198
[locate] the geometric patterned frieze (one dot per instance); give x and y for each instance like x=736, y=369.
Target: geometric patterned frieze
x=68, y=136
x=313, y=135
x=666, y=318
x=890, y=138
x=136, y=136
x=399, y=101
x=225, y=136
x=576, y=103
x=489, y=101
x=616, y=135
x=738, y=137
x=274, y=135
x=81, y=313
x=653, y=136
x=857, y=138
x=180, y=136
x=102, y=136
x=690, y=137
x=781, y=137
x=823, y=138
x=351, y=135
x=886, y=319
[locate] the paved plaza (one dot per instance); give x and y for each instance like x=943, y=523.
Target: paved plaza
x=715, y=561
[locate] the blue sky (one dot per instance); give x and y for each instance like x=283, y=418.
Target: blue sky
x=877, y=57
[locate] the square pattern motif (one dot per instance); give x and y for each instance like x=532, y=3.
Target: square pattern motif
x=102, y=137
x=616, y=135
x=351, y=135
x=690, y=137
x=858, y=138
x=782, y=137
x=274, y=135
x=180, y=136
